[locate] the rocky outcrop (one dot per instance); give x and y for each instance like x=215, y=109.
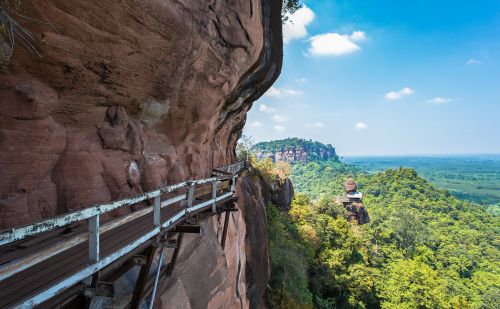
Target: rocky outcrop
x=283, y=195
x=293, y=150
x=131, y=95
x=279, y=193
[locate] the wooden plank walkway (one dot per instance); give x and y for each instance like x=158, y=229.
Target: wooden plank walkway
x=18, y=288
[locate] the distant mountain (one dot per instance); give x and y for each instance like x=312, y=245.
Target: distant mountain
x=295, y=150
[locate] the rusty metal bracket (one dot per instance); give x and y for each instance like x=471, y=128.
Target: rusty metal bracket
x=139, y=260
x=104, y=289
x=165, y=243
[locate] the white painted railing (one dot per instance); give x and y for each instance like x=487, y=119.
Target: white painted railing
x=94, y=229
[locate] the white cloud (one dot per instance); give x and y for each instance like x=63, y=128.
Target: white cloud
x=273, y=92
x=360, y=126
x=334, y=44
x=396, y=95
x=281, y=118
x=314, y=125
x=295, y=26
x=358, y=36
x=406, y=91
x=266, y=108
x=279, y=129
x=256, y=124
x=439, y=100
x=473, y=61
x=290, y=92
x=301, y=80
x=283, y=92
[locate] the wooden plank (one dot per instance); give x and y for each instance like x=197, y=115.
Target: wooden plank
x=206, y=190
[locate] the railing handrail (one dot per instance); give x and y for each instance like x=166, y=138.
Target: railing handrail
x=15, y=234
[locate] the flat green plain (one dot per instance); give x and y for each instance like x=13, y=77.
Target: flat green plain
x=471, y=177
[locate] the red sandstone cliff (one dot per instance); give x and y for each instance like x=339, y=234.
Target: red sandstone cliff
x=131, y=95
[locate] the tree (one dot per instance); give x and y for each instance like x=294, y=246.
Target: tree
x=289, y=7
x=412, y=284
x=408, y=230
x=244, y=148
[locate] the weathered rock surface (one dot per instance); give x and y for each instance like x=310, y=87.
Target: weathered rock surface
x=132, y=95
x=282, y=194
x=278, y=192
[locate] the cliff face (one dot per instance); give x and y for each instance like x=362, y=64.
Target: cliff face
x=295, y=149
x=132, y=95
x=207, y=276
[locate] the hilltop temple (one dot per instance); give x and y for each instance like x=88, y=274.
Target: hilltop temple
x=353, y=202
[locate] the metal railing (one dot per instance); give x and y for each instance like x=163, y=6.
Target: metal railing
x=230, y=169
x=92, y=214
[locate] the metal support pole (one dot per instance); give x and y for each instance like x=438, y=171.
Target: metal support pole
x=94, y=239
x=224, y=231
x=214, y=195
x=157, y=211
x=143, y=277
x=157, y=277
x=173, y=259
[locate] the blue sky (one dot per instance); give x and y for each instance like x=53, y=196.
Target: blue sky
x=388, y=78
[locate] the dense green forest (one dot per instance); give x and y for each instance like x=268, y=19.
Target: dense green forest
x=423, y=248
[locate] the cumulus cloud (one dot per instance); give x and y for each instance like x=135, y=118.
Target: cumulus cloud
x=314, y=125
x=439, y=100
x=335, y=44
x=256, y=124
x=266, y=108
x=396, y=95
x=295, y=27
x=360, y=126
x=473, y=61
x=279, y=129
x=358, y=36
x=281, y=92
x=281, y=118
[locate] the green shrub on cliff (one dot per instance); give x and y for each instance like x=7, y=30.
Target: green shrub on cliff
x=289, y=283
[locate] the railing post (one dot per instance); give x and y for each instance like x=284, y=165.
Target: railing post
x=233, y=183
x=157, y=210
x=190, y=196
x=94, y=239
x=214, y=195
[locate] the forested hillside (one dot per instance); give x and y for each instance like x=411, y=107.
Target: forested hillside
x=295, y=149
x=423, y=248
